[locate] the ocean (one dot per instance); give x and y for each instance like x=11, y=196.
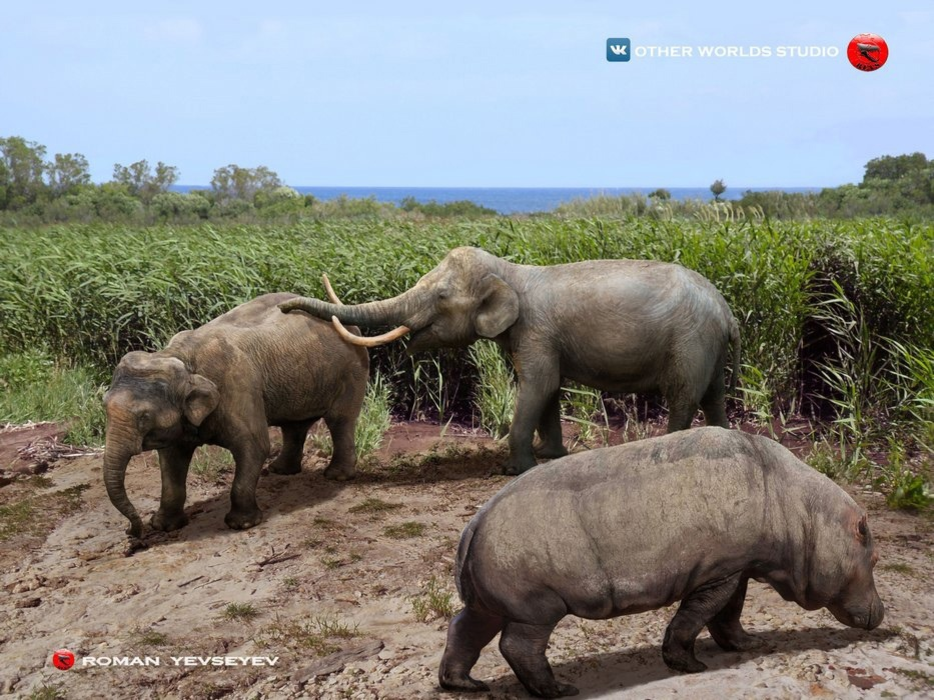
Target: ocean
x=514, y=200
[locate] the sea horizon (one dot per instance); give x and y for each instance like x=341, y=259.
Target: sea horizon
x=512, y=200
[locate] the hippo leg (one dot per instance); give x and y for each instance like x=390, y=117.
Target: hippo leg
x=523, y=646
x=696, y=610
x=468, y=633
x=725, y=627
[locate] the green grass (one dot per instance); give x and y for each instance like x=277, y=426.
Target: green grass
x=317, y=634
x=34, y=387
x=240, y=611
x=404, y=531
x=37, y=514
x=836, y=316
x=433, y=602
x=373, y=505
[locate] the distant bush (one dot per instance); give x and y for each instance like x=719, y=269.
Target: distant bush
x=461, y=208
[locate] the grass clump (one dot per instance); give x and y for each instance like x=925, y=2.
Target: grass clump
x=244, y=612
x=150, y=638
x=317, y=634
x=433, y=602
x=373, y=505
x=37, y=515
x=404, y=531
x=211, y=464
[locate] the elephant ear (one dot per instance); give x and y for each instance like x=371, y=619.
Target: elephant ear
x=201, y=399
x=499, y=308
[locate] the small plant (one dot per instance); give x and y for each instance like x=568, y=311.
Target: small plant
x=47, y=692
x=290, y=583
x=433, y=602
x=313, y=634
x=903, y=489
x=373, y=505
x=824, y=459
x=586, y=404
x=404, y=531
x=240, y=611
x=210, y=464
x=150, y=637
x=496, y=388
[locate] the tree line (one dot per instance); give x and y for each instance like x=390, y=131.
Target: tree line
x=38, y=189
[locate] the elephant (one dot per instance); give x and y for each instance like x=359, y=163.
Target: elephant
x=616, y=325
x=225, y=383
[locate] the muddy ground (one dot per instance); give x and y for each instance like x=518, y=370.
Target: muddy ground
x=334, y=582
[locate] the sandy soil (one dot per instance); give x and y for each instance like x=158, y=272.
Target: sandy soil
x=334, y=594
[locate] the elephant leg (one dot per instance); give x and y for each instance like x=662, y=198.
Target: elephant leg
x=173, y=464
x=697, y=610
x=523, y=646
x=468, y=633
x=344, y=455
x=249, y=456
x=538, y=382
x=680, y=413
x=725, y=627
x=549, y=430
x=289, y=460
x=713, y=403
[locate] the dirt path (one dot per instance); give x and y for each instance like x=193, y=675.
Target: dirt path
x=347, y=568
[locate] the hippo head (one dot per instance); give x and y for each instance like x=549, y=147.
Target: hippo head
x=840, y=571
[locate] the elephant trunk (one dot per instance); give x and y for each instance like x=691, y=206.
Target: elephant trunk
x=396, y=311
x=117, y=452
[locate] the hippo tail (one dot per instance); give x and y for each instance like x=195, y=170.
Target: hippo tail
x=463, y=577
x=736, y=343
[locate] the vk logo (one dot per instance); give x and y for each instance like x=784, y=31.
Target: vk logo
x=617, y=49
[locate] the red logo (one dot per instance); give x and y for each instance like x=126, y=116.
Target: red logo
x=867, y=52
x=63, y=659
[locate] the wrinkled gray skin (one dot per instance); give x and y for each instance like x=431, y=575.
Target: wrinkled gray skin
x=616, y=325
x=224, y=384
x=615, y=531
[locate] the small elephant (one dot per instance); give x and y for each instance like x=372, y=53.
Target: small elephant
x=616, y=325
x=615, y=531
x=224, y=384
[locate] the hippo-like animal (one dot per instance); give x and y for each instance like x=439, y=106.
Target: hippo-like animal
x=690, y=516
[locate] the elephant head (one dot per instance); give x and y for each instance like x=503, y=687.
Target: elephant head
x=464, y=298
x=151, y=403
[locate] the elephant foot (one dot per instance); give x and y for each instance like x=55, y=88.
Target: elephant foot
x=551, y=451
x=340, y=471
x=167, y=521
x=243, y=519
x=732, y=639
x=463, y=683
x=285, y=466
x=136, y=528
x=518, y=465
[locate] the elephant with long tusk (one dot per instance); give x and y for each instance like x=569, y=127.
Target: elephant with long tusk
x=616, y=325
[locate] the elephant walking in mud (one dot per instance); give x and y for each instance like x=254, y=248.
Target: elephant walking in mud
x=224, y=384
x=616, y=325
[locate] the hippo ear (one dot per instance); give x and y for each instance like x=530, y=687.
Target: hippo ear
x=498, y=310
x=201, y=399
x=862, y=529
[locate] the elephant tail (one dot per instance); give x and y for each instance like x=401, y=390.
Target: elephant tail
x=736, y=343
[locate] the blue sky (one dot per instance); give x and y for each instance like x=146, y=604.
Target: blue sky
x=502, y=93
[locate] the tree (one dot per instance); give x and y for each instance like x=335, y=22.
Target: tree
x=21, y=169
x=142, y=182
x=660, y=194
x=234, y=182
x=894, y=167
x=717, y=188
x=67, y=173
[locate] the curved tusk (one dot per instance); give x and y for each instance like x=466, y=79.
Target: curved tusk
x=330, y=290
x=368, y=341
